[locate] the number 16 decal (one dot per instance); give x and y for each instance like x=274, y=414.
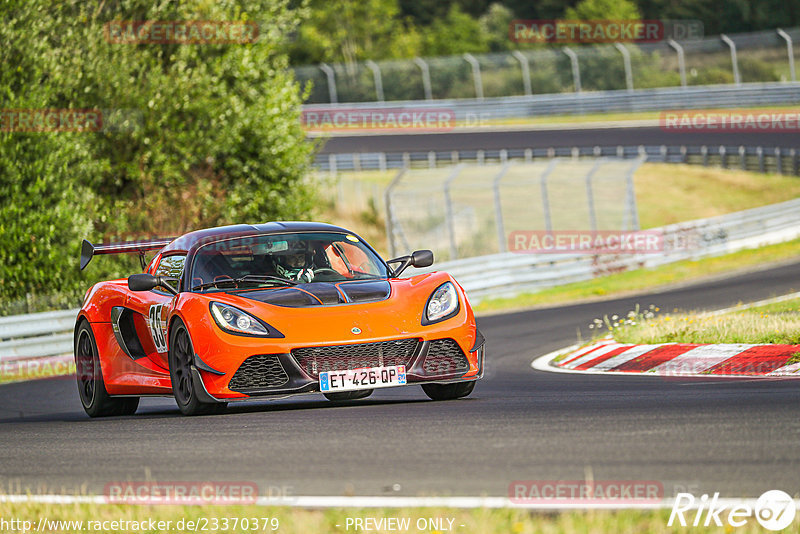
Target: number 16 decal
x=156, y=330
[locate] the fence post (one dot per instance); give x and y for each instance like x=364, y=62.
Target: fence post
x=406, y=160
x=681, y=60
x=735, y=62
x=548, y=224
x=382, y=161
x=498, y=209
x=426, y=77
x=778, y=160
x=431, y=159
x=376, y=75
x=723, y=160
x=634, y=213
x=448, y=206
x=332, y=164
x=626, y=60
x=526, y=71
x=576, y=69
x=590, y=195
x=795, y=166
x=704, y=153
x=387, y=199
x=743, y=157
x=760, y=154
x=790, y=50
x=331, y=82
x=476, y=75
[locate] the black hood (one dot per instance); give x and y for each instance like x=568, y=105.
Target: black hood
x=323, y=293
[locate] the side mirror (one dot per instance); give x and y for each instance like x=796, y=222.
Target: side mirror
x=142, y=282
x=148, y=282
x=422, y=258
x=418, y=258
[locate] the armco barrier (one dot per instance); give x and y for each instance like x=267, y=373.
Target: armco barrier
x=507, y=274
x=751, y=158
x=673, y=98
x=36, y=335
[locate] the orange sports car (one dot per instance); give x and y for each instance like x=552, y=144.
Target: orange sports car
x=270, y=310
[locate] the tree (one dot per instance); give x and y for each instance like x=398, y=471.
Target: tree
x=603, y=9
x=200, y=134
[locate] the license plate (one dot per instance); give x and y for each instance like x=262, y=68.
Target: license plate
x=365, y=378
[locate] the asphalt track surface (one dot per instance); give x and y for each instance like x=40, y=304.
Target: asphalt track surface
x=738, y=437
x=566, y=137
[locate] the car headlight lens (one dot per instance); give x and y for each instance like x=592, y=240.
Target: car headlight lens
x=235, y=321
x=442, y=304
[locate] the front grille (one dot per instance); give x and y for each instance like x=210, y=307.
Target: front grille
x=444, y=357
x=314, y=360
x=258, y=372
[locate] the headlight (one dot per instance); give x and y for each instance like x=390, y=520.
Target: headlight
x=235, y=321
x=442, y=304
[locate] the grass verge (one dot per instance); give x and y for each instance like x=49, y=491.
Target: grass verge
x=772, y=323
x=645, y=279
x=132, y=518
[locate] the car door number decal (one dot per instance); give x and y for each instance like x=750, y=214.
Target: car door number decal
x=156, y=329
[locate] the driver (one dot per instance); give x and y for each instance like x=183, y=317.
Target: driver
x=295, y=264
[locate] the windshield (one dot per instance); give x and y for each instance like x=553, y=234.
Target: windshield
x=284, y=259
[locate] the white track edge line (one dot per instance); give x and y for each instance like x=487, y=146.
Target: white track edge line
x=324, y=501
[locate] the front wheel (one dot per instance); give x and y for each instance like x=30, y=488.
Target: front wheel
x=92, y=390
x=181, y=358
x=448, y=391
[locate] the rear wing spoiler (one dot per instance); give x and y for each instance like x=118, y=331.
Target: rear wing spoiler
x=88, y=250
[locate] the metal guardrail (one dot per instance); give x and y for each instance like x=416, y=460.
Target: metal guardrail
x=672, y=98
x=509, y=273
x=755, y=158
x=36, y=335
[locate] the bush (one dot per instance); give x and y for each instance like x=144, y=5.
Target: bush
x=206, y=134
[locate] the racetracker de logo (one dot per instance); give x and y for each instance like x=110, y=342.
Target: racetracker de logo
x=181, y=493
x=396, y=119
x=740, y=120
x=602, y=31
x=180, y=32
x=586, y=491
x=51, y=120
x=586, y=242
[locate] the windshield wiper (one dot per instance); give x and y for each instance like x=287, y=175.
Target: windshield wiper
x=247, y=278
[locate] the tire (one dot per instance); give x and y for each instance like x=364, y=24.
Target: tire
x=91, y=389
x=448, y=391
x=349, y=395
x=180, y=357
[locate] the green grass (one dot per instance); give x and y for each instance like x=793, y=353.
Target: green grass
x=645, y=279
x=34, y=370
x=772, y=323
x=300, y=521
